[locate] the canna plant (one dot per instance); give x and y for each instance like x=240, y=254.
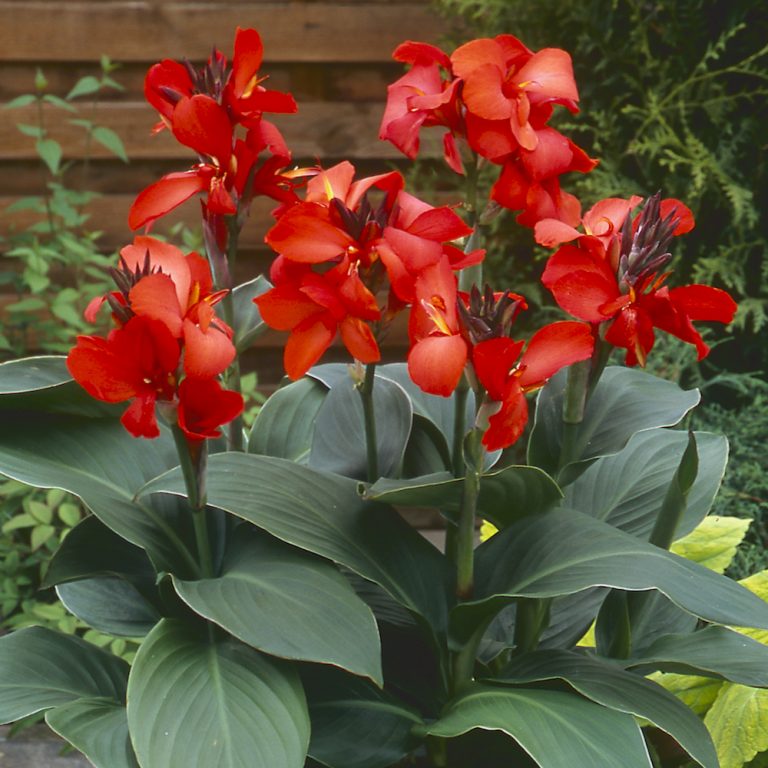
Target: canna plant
x=286, y=613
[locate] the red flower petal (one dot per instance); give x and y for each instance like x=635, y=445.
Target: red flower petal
x=506, y=426
x=553, y=347
x=202, y=124
x=246, y=59
x=285, y=306
x=359, y=340
x=206, y=353
x=139, y=418
x=306, y=345
x=163, y=196
x=549, y=72
x=435, y=363
x=703, y=302
x=304, y=234
x=493, y=361
x=632, y=330
x=204, y=406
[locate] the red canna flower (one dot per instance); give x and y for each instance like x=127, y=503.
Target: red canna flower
x=314, y=307
x=137, y=362
x=613, y=276
x=507, y=376
x=423, y=97
x=438, y=350
x=204, y=407
x=510, y=89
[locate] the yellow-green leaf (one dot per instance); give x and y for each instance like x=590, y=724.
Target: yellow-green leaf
x=757, y=583
x=713, y=542
x=738, y=722
x=698, y=693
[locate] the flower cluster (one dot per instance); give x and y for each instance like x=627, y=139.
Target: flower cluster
x=496, y=97
x=612, y=275
x=169, y=347
x=203, y=110
x=338, y=252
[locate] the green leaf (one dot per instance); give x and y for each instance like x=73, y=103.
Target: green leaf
x=109, y=139
x=219, y=704
x=110, y=604
x=697, y=693
x=41, y=534
x=58, y=102
x=624, y=402
x=40, y=669
x=506, y=495
x=713, y=543
x=98, y=728
x=563, y=552
x=712, y=651
x=50, y=153
x=736, y=721
x=248, y=324
x=286, y=421
x=355, y=724
x=604, y=684
x=558, y=730
x=323, y=513
x=339, y=442
x=20, y=101
x=83, y=87
x=627, y=489
x=98, y=461
x=426, y=452
x=93, y=549
x=300, y=607
x=35, y=131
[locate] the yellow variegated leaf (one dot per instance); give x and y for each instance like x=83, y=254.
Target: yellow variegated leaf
x=713, y=542
x=697, y=692
x=487, y=530
x=738, y=722
x=757, y=583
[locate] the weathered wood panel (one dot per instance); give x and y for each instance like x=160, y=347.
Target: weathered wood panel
x=141, y=31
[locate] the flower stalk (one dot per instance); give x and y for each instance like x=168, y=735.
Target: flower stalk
x=365, y=388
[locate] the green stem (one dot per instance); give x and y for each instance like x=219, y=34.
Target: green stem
x=464, y=660
x=437, y=749
x=366, y=395
x=235, y=441
x=530, y=620
x=465, y=534
x=193, y=460
x=457, y=456
x=574, y=403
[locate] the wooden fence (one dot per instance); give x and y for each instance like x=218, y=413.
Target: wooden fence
x=335, y=57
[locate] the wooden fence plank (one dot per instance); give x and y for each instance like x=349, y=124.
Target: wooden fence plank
x=145, y=30
x=319, y=129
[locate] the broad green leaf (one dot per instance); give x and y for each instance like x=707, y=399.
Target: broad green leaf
x=97, y=460
x=109, y=604
x=98, y=728
x=194, y=701
x=324, y=514
x=40, y=669
x=712, y=651
x=506, y=494
x=563, y=552
x=426, y=452
x=628, y=488
x=558, y=730
x=299, y=606
x=616, y=689
x=83, y=87
x=737, y=721
x=355, y=724
x=57, y=101
x=35, y=131
x=110, y=140
x=286, y=421
x=248, y=324
x=713, y=542
x=624, y=402
x=697, y=693
x=50, y=153
x=92, y=549
x=33, y=373
x=339, y=439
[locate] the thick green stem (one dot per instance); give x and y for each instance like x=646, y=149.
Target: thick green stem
x=530, y=620
x=193, y=457
x=465, y=534
x=437, y=749
x=366, y=395
x=573, y=410
x=235, y=441
x=457, y=455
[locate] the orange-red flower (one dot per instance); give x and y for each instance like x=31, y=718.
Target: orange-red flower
x=507, y=376
x=613, y=276
x=137, y=362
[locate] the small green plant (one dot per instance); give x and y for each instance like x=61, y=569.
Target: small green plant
x=62, y=266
